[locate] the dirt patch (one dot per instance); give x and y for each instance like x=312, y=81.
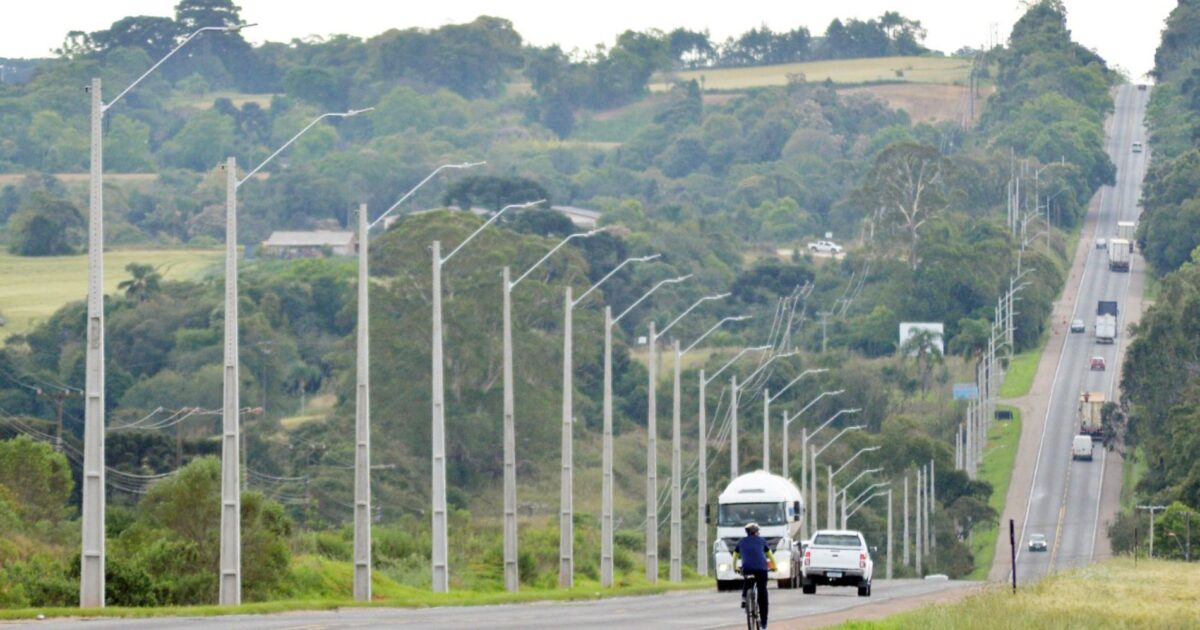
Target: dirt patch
x=925, y=102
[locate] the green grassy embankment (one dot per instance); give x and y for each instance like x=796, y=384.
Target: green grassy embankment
x=1110, y=594
x=1021, y=370
x=35, y=287
x=996, y=469
x=312, y=579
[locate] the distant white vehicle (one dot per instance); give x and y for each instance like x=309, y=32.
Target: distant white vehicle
x=1101, y=244
x=1081, y=447
x=1137, y=147
x=825, y=247
x=1037, y=542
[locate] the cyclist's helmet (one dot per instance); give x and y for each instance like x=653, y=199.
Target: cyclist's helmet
x=751, y=528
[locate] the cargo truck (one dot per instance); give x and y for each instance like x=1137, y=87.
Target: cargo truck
x=1106, y=328
x=1126, y=230
x=1090, y=405
x=1119, y=250
x=774, y=503
x=1107, y=307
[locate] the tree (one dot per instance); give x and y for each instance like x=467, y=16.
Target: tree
x=38, y=479
x=127, y=146
x=45, y=226
x=143, y=284
x=493, y=192
x=203, y=142
x=908, y=182
x=924, y=346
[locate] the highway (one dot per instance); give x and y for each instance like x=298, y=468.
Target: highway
x=1064, y=500
x=692, y=609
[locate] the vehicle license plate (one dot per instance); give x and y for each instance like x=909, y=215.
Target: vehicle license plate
x=833, y=574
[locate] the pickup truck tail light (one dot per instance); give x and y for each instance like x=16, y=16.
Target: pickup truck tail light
x=807, y=558
x=862, y=561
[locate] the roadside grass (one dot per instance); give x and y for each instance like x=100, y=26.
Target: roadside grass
x=1151, y=287
x=996, y=469
x=312, y=575
x=945, y=70
x=1133, y=468
x=1110, y=594
x=35, y=287
x=1021, y=370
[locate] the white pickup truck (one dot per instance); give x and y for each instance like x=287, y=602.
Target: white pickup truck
x=825, y=247
x=838, y=557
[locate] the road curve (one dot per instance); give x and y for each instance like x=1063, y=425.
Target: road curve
x=691, y=609
x=1064, y=499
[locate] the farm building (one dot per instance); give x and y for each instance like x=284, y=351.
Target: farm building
x=310, y=244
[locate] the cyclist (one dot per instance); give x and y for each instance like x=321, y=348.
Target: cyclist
x=757, y=561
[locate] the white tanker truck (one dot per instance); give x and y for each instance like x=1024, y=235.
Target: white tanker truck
x=775, y=503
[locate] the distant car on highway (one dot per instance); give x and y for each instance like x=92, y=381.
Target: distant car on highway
x=1137, y=147
x=1077, y=326
x=825, y=247
x=1097, y=364
x=1037, y=542
x=1101, y=244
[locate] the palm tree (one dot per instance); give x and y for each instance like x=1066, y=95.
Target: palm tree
x=143, y=284
x=924, y=345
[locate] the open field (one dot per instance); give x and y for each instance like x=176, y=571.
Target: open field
x=1019, y=376
x=944, y=70
x=924, y=102
x=1111, y=594
x=205, y=101
x=35, y=287
x=996, y=469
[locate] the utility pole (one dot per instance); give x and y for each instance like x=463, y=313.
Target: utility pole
x=362, y=424
x=702, y=485
x=512, y=579
x=733, y=428
x=440, y=551
x=932, y=503
x=59, y=399
x=889, y=535
x=917, y=532
x=676, y=568
x=606, y=481
x=766, y=431
x=92, y=559
x=566, y=497
x=824, y=329
x=231, y=496
x=652, y=464
x=904, y=537
x=1152, y=509
x=831, y=516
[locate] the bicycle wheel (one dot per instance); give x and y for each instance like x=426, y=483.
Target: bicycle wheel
x=752, y=621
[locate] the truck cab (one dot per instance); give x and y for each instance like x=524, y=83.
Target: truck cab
x=1081, y=448
x=775, y=503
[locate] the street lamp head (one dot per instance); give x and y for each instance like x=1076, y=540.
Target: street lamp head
x=355, y=112
x=238, y=27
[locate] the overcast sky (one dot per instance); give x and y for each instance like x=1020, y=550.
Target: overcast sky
x=1124, y=33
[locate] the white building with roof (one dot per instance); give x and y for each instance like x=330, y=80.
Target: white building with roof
x=310, y=244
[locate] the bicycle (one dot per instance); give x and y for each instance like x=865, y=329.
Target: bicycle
x=750, y=593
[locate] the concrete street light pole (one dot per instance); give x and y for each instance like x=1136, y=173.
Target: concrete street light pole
x=566, y=570
x=441, y=550
x=734, y=468
x=675, y=573
x=846, y=488
x=846, y=465
x=509, y=414
x=787, y=421
x=230, y=584
x=812, y=477
x=766, y=417
x=702, y=468
x=606, y=490
x=362, y=462
x=829, y=519
x=92, y=559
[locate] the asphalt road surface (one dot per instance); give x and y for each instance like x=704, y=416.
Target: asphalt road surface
x=1064, y=502
x=694, y=609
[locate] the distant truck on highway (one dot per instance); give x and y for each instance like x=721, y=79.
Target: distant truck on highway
x=1119, y=250
x=1126, y=230
x=1090, y=406
x=1106, y=329
x=775, y=503
x=838, y=557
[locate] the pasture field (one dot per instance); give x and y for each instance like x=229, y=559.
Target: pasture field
x=937, y=70
x=33, y=288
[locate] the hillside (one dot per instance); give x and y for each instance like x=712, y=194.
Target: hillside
x=935, y=70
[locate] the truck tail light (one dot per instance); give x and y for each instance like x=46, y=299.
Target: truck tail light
x=807, y=558
x=862, y=561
